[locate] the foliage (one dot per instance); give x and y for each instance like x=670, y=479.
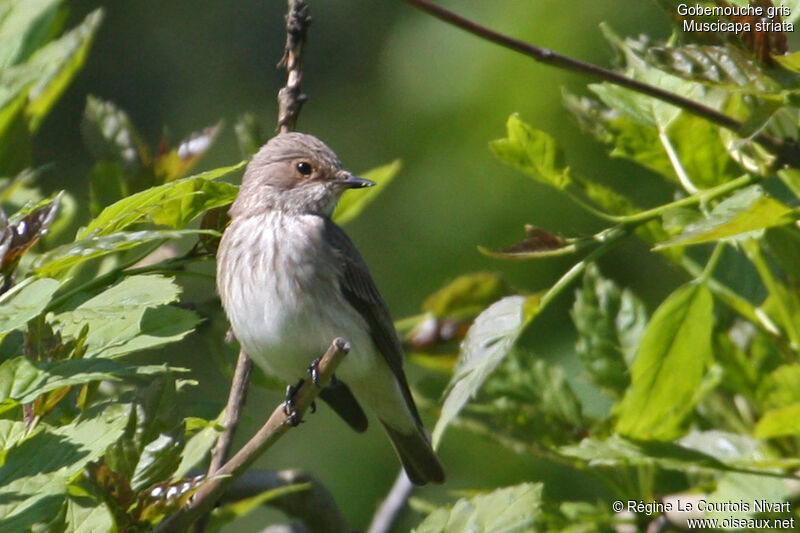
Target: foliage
x=701, y=396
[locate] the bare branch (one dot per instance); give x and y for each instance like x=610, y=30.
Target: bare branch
x=279, y=423
x=390, y=509
x=786, y=150
x=291, y=97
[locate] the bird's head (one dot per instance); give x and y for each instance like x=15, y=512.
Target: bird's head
x=296, y=173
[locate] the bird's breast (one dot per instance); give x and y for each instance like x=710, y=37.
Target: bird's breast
x=279, y=284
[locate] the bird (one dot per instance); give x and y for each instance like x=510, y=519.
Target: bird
x=290, y=281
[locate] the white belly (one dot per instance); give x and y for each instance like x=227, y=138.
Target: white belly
x=284, y=302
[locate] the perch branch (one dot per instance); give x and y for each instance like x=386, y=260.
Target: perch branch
x=291, y=97
x=278, y=424
x=786, y=151
x=233, y=411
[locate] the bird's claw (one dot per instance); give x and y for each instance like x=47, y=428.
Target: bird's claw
x=313, y=370
x=288, y=405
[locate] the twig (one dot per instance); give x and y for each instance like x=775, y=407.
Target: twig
x=278, y=424
x=391, y=507
x=786, y=151
x=291, y=97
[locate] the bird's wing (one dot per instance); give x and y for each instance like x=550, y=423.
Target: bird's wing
x=359, y=290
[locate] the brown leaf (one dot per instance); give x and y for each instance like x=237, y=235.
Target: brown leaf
x=16, y=239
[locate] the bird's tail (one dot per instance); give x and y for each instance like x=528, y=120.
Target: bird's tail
x=419, y=460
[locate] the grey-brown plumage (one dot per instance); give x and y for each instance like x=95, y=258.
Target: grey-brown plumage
x=291, y=280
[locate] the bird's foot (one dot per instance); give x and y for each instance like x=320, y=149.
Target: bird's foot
x=288, y=405
x=313, y=371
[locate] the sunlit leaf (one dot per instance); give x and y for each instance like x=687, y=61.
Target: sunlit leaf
x=779, y=422
x=533, y=152
x=746, y=211
x=24, y=27
x=352, y=203
x=669, y=366
x=173, y=204
x=111, y=136
x=57, y=260
x=508, y=510
x=781, y=387
x=488, y=341
x=24, y=303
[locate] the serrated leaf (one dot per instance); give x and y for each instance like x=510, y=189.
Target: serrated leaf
x=172, y=204
x=57, y=260
x=23, y=380
x=488, y=341
x=36, y=473
x=538, y=243
x=122, y=319
x=508, y=510
x=352, y=203
x=748, y=210
x=610, y=323
x=21, y=232
x=533, y=152
x=25, y=302
x=669, y=366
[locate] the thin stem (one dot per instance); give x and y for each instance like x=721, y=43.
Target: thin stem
x=787, y=151
x=712, y=261
x=291, y=97
x=395, y=502
x=672, y=155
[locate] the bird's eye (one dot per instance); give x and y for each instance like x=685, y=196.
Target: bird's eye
x=304, y=168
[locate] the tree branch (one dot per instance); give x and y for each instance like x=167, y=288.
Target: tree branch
x=278, y=424
x=291, y=97
x=787, y=151
x=391, y=507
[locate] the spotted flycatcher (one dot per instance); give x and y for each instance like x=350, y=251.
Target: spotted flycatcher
x=291, y=281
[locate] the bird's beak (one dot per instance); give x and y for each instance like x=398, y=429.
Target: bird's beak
x=349, y=181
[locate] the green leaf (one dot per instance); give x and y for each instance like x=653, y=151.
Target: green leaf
x=722, y=66
x=172, y=204
x=35, y=476
x=23, y=380
x=610, y=323
x=111, y=136
x=514, y=509
x=57, y=63
x=618, y=451
x=784, y=246
x=121, y=319
x=781, y=387
x=467, y=295
x=86, y=515
x=488, y=341
x=669, y=366
x=533, y=152
x=57, y=260
x=200, y=444
x=746, y=211
x=25, y=302
x=228, y=513
x=158, y=460
x=352, y=203
x=25, y=25
x=780, y=422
